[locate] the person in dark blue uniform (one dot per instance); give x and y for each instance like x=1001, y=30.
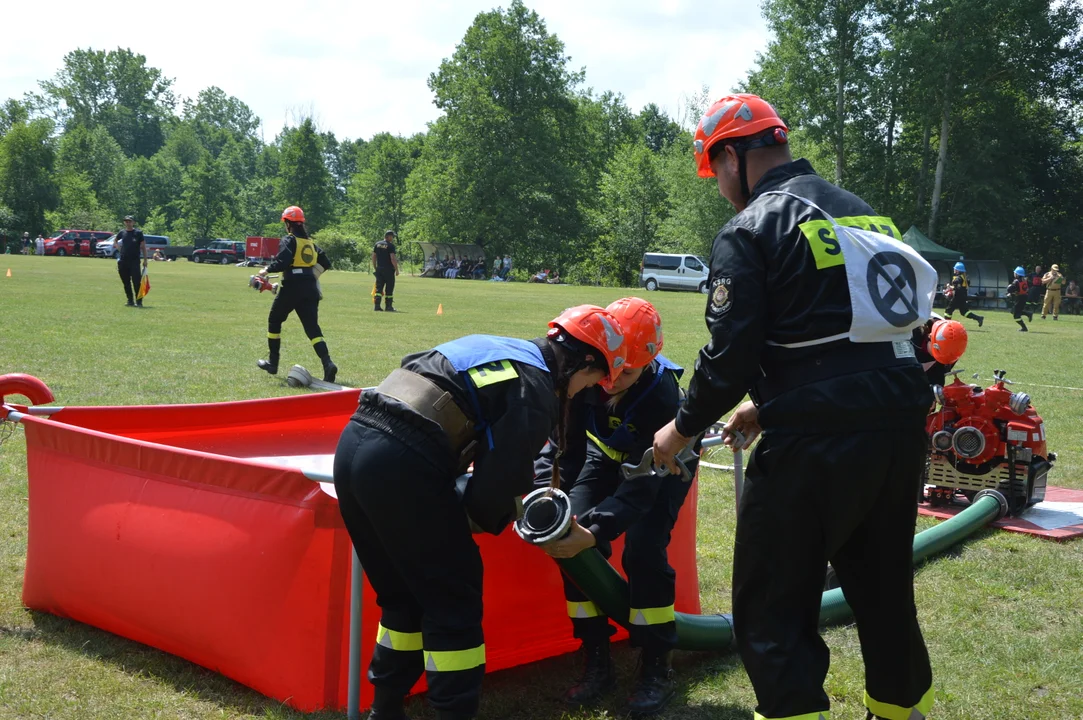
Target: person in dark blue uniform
x=801, y=319
x=129, y=246
x=1017, y=293
x=385, y=263
x=960, y=298
x=486, y=400
x=301, y=262
x=620, y=421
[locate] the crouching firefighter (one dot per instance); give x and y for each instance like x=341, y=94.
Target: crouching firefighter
x=488, y=400
x=620, y=419
x=301, y=262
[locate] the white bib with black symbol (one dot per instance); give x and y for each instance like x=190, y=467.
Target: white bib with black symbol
x=891, y=285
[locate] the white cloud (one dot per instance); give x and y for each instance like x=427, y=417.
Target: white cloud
x=362, y=67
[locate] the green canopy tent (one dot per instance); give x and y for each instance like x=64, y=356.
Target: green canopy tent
x=927, y=248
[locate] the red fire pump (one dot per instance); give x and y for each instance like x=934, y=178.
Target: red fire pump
x=991, y=438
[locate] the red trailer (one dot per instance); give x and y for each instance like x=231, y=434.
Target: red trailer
x=261, y=248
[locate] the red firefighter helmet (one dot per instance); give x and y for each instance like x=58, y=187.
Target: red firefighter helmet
x=293, y=214
x=947, y=341
x=731, y=118
x=596, y=327
x=642, y=327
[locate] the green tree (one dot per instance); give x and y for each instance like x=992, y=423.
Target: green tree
x=117, y=90
x=697, y=211
x=204, y=203
x=94, y=154
x=505, y=153
x=303, y=178
x=659, y=131
x=632, y=207
x=217, y=119
x=79, y=205
x=27, y=158
x=377, y=194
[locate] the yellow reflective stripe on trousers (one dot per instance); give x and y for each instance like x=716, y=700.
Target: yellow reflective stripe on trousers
x=897, y=712
x=824, y=715
x=651, y=616
x=452, y=660
x=395, y=640
x=583, y=609
x=317, y=340
x=274, y=336
x=610, y=452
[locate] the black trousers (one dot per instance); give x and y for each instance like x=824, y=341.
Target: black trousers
x=651, y=579
x=413, y=539
x=303, y=297
x=958, y=302
x=130, y=275
x=1019, y=307
x=847, y=499
x=385, y=286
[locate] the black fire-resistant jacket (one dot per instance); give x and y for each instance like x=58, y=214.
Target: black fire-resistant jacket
x=520, y=411
x=773, y=283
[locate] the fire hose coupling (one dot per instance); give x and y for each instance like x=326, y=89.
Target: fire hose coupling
x=547, y=516
x=996, y=495
x=263, y=283
x=1019, y=402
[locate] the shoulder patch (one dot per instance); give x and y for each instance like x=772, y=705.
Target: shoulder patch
x=721, y=295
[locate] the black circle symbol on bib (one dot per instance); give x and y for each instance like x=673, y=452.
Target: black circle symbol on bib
x=308, y=255
x=893, y=288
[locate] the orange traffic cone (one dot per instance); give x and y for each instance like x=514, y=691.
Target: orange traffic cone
x=439, y=308
x=9, y=272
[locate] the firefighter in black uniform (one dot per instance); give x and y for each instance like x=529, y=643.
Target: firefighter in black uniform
x=488, y=400
x=960, y=301
x=129, y=244
x=620, y=421
x=301, y=262
x=832, y=478
x=386, y=268
x=1017, y=292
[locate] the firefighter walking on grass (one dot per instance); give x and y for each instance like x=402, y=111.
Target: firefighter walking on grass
x=811, y=304
x=301, y=262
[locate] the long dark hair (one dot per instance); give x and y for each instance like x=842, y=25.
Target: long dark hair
x=571, y=356
x=297, y=229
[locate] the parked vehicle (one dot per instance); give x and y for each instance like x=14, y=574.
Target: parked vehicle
x=106, y=248
x=223, y=252
x=63, y=243
x=261, y=249
x=663, y=271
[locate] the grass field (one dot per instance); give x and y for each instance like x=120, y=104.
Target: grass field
x=1002, y=614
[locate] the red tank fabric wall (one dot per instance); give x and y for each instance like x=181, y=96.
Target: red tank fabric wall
x=142, y=524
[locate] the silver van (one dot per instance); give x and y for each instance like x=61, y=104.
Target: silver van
x=662, y=271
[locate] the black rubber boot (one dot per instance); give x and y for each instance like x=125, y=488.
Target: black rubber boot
x=387, y=707
x=271, y=367
x=330, y=370
x=1030, y=316
x=598, y=676
x=387, y=303
x=1022, y=326
x=655, y=686
x=376, y=306
x=979, y=318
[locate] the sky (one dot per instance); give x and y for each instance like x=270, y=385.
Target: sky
x=361, y=67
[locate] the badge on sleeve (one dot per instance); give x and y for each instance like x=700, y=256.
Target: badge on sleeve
x=721, y=295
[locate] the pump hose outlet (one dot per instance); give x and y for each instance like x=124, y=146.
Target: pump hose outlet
x=547, y=515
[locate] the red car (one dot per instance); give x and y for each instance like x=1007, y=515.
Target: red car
x=63, y=243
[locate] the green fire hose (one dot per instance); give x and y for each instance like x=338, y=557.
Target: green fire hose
x=609, y=591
